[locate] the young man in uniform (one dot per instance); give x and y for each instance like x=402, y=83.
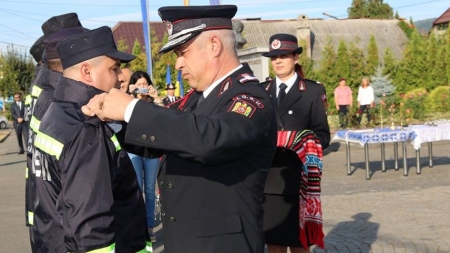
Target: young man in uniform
x=219, y=140
x=171, y=98
x=300, y=105
x=90, y=199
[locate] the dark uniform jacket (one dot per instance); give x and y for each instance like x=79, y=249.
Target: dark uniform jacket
x=166, y=100
x=39, y=104
x=17, y=112
x=302, y=108
x=213, y=173
x=89, y=198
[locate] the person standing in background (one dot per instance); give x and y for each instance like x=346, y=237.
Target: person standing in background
x=171, y=98
x=365, y=99
x=145, y=161
x=343, y=99
x=20, y=125
x=127, y=73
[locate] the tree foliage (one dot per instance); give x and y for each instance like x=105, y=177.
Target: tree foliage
x=373, y=9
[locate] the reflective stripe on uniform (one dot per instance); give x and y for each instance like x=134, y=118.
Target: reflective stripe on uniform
x=30, y=217
x=116, y=142
x=34, y=124
x=48, y=144
x=26, y=172
x=108, y=249
x=28, y=100
x=36, y=91
x=148, y=248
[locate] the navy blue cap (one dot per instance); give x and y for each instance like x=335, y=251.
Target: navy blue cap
x=170, y=86
x=283, y=43
x=52, y=40
x=88, y=45
x=185, y=22
x=56, y=23
x=37, y=49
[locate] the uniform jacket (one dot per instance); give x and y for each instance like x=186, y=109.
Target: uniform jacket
x=166, y=100
x=213, y=173
x=302, y=108
x=87, y=197
x=17, y=112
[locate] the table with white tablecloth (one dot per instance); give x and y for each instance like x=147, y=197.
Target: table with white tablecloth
x=428, y=134
x=379, y=136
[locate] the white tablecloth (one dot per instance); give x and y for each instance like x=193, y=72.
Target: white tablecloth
x=376, y=135
x=426, y=133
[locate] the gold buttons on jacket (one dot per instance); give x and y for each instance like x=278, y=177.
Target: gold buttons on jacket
x=170, y=185
x=173, y=219
x=152, y=138
x=144, y=137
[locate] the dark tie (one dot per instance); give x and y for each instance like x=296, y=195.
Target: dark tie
x=281, y=93
x=199, y=101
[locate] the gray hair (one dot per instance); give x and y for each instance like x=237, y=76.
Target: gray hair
x=228, y=38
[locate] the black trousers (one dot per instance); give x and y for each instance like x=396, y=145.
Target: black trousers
x=343, y=118
x=22, y=131
x=362, y=109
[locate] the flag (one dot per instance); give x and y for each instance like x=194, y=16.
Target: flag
x=146, y=28
x=179, y=91
x=186, y=2
x=168, y=76
x=214, y=2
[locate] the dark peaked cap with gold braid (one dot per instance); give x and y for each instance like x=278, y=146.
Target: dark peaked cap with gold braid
x=185, y=22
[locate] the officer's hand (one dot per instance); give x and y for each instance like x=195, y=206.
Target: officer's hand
x=108, y=106
x=20, y=120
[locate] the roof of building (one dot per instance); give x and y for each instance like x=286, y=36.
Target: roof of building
x=444, y=18
x=387, y=33
x=130, y=31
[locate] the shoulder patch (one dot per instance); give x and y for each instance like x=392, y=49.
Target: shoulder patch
x=246, y=77
x=250, y=99
x=243, y=108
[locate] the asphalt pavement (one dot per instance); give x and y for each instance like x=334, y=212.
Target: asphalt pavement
x=388, y=213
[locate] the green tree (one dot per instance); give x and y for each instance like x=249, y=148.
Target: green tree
x=304, y=61
x=434, y=76
x=356, y=62
x=372, y=57
x=327, y=72
x=382, y=86
x=342, y=61
x=374, y=9
x=446, y=54
x=140, y=63
x=390, y=63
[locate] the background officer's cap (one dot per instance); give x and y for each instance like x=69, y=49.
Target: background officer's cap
x=88, y=45
x=170, y=86
x=52, y=40
x=283, y=44
x=56, y=23
x=185, y=22
x=37, y=49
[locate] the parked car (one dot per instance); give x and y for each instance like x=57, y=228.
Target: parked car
x=3, y=122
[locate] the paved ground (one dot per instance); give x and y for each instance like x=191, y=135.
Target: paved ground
x=388, y=213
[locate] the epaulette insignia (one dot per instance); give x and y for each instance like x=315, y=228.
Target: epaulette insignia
x=301, y=86
x=243, y=78
x=226, y=84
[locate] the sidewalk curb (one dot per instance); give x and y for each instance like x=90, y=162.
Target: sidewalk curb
x=4, y=137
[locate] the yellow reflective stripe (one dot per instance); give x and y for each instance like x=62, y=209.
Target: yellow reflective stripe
x=30, y=218
x=26, y=172
x=28, y=100
x=148, y=248
x=109, y=249
x=48, y=144
x=36, y=91
x=34, y=124
x=116, y=142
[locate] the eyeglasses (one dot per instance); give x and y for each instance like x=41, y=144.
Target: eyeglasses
x=171, y=89
x=17, y=97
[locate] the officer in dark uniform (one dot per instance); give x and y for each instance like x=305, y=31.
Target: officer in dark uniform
x=89, y=199
x=171, y=98
x=301, y=105
x=42, y=79
x=219, y=142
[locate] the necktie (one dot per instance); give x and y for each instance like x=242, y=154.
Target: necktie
x=281, y=93
x=199, y=101
x=19, y=105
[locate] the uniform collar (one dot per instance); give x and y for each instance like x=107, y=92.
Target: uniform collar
x=69, y=90
x=289, y=83
x=218, y=81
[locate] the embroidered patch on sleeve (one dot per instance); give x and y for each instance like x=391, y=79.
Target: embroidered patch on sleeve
x=243, y=108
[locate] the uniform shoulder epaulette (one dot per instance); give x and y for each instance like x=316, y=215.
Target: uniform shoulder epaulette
x=314, y=81
x=246, y=77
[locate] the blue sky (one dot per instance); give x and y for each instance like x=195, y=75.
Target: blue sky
x=21, y=20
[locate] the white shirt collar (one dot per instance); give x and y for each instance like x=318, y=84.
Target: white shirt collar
x=289, y=83
x=213, y=85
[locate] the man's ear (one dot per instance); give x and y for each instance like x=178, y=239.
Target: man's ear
x=86, y=72
x=216, y=45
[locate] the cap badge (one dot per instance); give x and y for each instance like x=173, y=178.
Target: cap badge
x=276, y=44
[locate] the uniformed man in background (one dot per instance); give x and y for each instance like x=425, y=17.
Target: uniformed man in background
x=91, y=201
x=170, y=98
x=219, y=141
